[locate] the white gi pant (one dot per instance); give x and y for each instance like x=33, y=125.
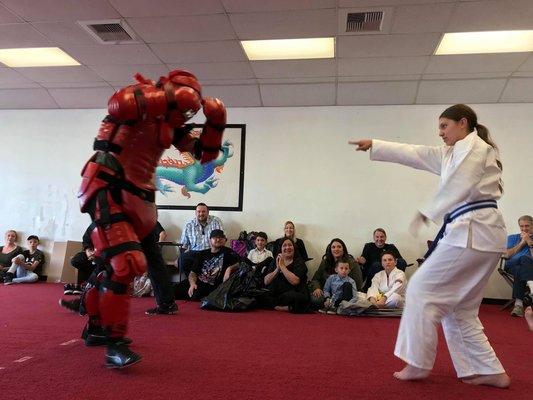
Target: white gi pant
x=448, y=288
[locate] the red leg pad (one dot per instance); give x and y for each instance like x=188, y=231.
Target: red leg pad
x=114, y=311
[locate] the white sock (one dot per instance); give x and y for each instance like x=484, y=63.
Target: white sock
x=518, y=303
x=530, y=284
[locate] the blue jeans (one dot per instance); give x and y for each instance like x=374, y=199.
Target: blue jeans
x=22, y=275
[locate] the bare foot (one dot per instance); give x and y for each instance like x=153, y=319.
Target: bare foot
x=497, y=380
x=411, y=373
x=281, y=308
x=528, y=314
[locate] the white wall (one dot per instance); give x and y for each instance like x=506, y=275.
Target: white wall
x=298, y=167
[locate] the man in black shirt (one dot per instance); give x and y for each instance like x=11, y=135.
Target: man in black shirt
x=211, y=267
x=370, y=259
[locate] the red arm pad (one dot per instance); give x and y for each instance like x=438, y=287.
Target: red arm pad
x=211, y=137
x=134, y=102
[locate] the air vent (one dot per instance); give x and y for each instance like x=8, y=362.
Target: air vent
x=364, y=21
x=109, y=31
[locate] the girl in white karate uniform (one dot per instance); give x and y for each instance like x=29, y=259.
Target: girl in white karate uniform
x=448, y=288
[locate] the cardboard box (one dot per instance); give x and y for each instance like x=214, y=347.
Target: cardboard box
x=59, y=269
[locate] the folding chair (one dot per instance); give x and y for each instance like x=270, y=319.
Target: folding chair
x=509, y=278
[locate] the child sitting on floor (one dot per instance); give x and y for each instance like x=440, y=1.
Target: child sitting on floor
x=338, y=287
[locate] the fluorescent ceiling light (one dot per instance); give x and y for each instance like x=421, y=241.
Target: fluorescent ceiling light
x=36, y=57
x=289, y=49
x=485, y=42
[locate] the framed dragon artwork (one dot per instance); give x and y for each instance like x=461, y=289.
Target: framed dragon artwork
x=182, y=181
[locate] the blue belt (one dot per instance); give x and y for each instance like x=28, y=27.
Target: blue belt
x=475, y=205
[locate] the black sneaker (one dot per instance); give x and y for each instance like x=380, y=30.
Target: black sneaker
x=163, y=310
x=119, y=355
x=99, y=338
x=68, y=288
x=72, y=305
x=76, y=289
x=8, y=278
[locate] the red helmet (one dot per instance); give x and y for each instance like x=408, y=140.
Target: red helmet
x=182, y=78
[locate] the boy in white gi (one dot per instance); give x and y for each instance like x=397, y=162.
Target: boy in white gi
x=388, y=286
x=448, y=287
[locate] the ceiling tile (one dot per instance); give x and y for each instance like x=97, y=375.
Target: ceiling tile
x=82, y=97
x=183, y=29
x=63, y=85
x=59, y=74
x=491, y=15
x=285, y=24
x=319, y=94
x=528, y=65
x=382, y=66
x=518, y=91
x=165, y=8
x=12, y=76
x=524, y=74
x=64, y=33
x=473, y=75
x=376, y=93
x=472, y=63
x=21, y=35
x=189, y=52
x=235, y=96
x=26, y=98
x=243, y=6
x=294, y=68
x=118, y=73
x=322, y=79
x=233, y=70
x=387, y=45
x=19, y=85
x=61, y=10
x=380, y=78
x=364, y=3
x=422, y=18
x=460, y=91
x=7, y=16
x=119, y=54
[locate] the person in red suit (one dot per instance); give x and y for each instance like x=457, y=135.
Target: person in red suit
x=118, y=192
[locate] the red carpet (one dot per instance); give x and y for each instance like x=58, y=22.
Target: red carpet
x=210, y=355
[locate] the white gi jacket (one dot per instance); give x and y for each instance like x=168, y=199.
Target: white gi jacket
x=468, y=172
x=396, y=282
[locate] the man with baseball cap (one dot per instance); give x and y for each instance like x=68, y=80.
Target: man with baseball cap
x=211, y=267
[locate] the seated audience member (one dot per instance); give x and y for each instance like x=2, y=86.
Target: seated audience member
x=9, y=251
x=260, y=256
x=83, y=261
x=26, y=267
x=520, y=261
x=335, y=251
x=370, y=259
x=161, y=232
x=388, y=286
x=290, y=232
x=196, y=235
x=339, y=287
x=211, y=267
x=523, y=278
x=286, y=280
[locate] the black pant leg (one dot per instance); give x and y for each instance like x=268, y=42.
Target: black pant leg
x=372, y=270
x=347, y=293
x=296, y=301
x=157, y=270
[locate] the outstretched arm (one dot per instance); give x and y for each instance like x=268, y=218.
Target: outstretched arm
x=428, y=158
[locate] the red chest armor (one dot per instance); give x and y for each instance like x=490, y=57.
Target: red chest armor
x=141, y=146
